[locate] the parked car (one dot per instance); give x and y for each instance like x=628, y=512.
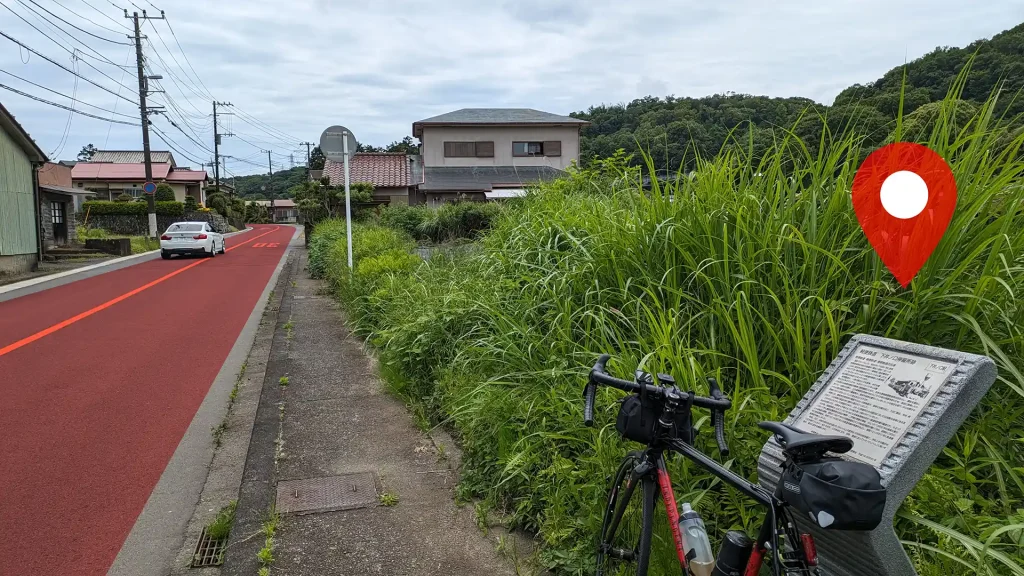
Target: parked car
x=191, y=238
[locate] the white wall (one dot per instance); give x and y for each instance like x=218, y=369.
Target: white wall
x=434, y=138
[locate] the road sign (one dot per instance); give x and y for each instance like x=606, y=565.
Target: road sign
x=332, y=143
x=149, y=187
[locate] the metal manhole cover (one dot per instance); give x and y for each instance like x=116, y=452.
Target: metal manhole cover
x=209, y=551
x=326, y=494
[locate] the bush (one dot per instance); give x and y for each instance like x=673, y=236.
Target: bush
x=446, y=223
x=96, y=207
x=124, y=197
x=756, y=272
x=191, y=205
x=164, y=193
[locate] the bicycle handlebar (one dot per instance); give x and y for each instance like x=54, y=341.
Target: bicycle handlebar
x=717, y=402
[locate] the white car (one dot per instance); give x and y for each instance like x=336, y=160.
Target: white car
x=191, y=238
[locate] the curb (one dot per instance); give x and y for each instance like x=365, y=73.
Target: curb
x=32, y=285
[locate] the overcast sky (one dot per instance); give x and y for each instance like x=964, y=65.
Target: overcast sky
x=292, y=68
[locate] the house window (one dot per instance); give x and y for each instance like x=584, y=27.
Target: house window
x=527, y=148
x=469, y=149
x=546, y=148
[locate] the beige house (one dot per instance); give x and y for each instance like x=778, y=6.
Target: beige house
x=110, y=173
x=492, y=153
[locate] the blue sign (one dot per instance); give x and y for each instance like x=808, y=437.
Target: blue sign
x=149, y=187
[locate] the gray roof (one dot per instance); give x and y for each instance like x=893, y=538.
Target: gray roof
x=477, y=116
x=66, y=190
x=132, y=157
x=483, y=178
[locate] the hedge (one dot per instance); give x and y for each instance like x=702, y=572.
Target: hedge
x=97, y=207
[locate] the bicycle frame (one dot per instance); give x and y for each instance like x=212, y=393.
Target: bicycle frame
x=653, y=463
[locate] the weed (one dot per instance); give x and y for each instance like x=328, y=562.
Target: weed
x=218, y=432
x=220, y=527
x=388, y=499
x=283, y=380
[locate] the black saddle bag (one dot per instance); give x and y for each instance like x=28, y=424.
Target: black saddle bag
x=637, y=421
x=835, y=494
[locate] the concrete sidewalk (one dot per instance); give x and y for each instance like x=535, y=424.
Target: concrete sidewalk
x=333, y=420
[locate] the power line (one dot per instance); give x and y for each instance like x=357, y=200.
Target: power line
x=104, y=14
x=88, y=20
x=66, y=69
x=110, y=126
x=266, y=128
x=79, y=112
x=72, y=98
x=67, y=126
x=171, y=53
x=73, y=26
x=187, y=136
x=185, y=56
x=167, y=141
x=64, y=32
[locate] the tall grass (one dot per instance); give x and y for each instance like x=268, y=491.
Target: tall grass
x=754, y=271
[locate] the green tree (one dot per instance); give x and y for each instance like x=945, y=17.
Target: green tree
x=86, y=153
x=164, y=193
x=317, y=159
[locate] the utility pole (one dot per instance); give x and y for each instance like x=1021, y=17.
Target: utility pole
x=216, y=144
x=270, y=182
x=149, y=187
x=307, y=144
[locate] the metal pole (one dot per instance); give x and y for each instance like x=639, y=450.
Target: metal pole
x=348, y=201
x=143, y=87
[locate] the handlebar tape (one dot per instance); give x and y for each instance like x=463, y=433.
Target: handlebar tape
x=719, y=420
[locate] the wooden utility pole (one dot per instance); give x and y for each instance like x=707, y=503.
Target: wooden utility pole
x=144, y=113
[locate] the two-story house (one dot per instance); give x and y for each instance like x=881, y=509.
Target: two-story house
x=492, y=153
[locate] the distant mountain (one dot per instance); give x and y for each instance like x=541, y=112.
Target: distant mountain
x=673, y=128
x=276, y=186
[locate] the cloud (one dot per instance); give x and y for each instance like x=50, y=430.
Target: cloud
x=377, y=67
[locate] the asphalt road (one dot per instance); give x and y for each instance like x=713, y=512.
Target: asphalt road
x=99, y=379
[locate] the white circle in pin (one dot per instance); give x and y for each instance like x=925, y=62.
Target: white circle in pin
x=904, y=194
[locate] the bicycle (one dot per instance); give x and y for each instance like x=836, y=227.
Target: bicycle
x=790, y=551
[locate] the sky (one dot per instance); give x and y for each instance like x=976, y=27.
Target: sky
x=292, y=68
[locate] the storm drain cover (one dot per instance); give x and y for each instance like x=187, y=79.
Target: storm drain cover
x=343, y=492
x=209, y=551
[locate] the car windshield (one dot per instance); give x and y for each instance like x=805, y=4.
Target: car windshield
x=185, y=228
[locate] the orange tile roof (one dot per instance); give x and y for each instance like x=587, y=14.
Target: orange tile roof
x=382, y=169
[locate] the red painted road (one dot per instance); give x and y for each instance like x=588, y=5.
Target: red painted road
x=91, y=413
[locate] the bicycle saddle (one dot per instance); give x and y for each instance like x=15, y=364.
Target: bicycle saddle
x=800, y=445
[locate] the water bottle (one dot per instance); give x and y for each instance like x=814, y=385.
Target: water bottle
x=699, y=557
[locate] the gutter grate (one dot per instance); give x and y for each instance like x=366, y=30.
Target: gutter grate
x=209, y=551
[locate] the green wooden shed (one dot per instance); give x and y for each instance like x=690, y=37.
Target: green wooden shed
x=20, y=157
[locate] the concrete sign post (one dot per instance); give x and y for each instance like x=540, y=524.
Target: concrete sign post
x=338, y=144
x=900, y=403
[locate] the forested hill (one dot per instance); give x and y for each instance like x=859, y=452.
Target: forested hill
x=672, y=128
x=276, y=186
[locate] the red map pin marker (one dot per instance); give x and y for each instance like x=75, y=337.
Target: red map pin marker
x=904, y=195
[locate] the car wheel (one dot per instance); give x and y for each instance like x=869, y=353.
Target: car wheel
x=213, y=250
x=165, y=255
x=223, y=247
